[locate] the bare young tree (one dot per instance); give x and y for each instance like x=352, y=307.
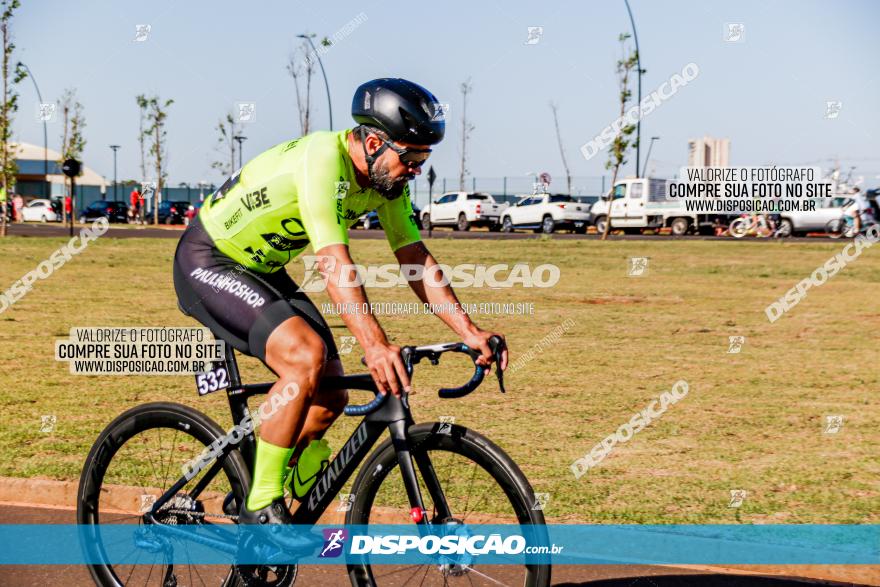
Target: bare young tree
x=226, y=131
x=8, y=107
x=301, y=67
x=142, y=136
x=554, y=108
x=622, y=143
x=466, y=128
x=155, y=135
x=72, y=140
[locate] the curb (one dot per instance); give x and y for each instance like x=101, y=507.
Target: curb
x=49, y=493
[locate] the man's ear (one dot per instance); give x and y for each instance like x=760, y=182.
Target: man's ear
x=372, y=143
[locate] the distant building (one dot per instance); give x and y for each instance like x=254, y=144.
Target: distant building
x=32, y=180
x=708, y=152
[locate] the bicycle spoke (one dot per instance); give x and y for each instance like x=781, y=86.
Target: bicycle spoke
x=484, y=575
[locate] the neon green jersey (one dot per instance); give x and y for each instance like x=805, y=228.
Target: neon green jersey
x=298, y=193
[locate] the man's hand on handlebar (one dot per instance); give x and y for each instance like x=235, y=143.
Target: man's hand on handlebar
x=479, y=339
x=387, y=369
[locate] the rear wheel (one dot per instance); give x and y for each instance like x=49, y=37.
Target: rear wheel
x=131, y=465
x=426, y=222
x=740, y=227
x=680, y=226
x=785, y=228
x=463, y=223
x=368, y=224
x=475, y=483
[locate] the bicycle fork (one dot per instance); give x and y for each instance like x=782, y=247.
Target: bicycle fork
x=418, y=513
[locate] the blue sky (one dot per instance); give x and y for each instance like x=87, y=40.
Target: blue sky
x=767, y=94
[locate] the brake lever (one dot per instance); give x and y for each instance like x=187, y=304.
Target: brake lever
x=497, y=345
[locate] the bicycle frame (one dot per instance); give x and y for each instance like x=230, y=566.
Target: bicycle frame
x=394, y=414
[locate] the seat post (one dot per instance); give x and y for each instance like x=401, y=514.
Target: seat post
x=232, y=366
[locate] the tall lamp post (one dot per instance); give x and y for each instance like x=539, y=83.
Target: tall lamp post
x=639, y=66
x=321, y=64
x=45, y=134
x=648, y=157
x=239, y=139
x=115, y=185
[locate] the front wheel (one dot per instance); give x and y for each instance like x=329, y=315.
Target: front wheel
x=548, y=225
x=506, y=225
x=600, y=224
x=680, y=226
x=463, y=478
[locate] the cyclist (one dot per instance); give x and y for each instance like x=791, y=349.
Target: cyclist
x=228, y=268
x=859, y=208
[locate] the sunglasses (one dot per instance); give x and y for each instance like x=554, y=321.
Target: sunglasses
x=412, y=158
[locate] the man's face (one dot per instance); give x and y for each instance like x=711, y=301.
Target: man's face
x=390, y=176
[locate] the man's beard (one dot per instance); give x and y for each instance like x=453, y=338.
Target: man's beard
x=389, y=188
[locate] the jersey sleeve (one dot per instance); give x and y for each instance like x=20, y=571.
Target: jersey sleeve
x=316, y=182
x=397, y=218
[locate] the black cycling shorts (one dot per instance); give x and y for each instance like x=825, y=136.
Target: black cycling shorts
x=239, y=305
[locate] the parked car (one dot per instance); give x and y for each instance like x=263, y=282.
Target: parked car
x=112, y=211
x=371, y=219
x=797, y=222
x=171, y=212
x=547, y=213
x=39, y=211
x=462, y=210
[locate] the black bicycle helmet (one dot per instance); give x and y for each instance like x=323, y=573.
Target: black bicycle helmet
x=405, y=111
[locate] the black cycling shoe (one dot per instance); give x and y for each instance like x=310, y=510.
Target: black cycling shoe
x=275, y=523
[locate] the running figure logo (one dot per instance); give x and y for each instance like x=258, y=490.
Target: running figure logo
x=333, y=541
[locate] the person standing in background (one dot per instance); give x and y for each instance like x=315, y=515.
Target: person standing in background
x=17, y=205
x=133, y=206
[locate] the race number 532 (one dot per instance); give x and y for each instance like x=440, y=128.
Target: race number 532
x=214, y=379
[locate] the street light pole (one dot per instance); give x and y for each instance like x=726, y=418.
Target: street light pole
x=115, y=185
x=239, y=139
x=648, y=158
x=323, y=73
x=45, y=134
x=639, y=65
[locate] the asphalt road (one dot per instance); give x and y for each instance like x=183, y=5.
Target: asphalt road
x=332, y=576
x=126, y=231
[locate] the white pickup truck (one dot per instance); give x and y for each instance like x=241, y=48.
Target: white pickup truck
x=547, y=213
x=461, y=210
x=641, y=203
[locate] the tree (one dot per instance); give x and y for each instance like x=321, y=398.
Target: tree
x=554, y=108
x=466, y=128
x=8, y=106
x=142, y=111
x=154, y=135
x=72, y=141
x=622, y=142
x=301, y=65
x=227, y=129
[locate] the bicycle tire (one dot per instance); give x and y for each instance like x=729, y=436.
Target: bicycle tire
x=463, y=442
x=157, y=415
x=739, y=228
x=835, y=227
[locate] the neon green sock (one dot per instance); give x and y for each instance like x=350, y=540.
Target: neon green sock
x=268, y=479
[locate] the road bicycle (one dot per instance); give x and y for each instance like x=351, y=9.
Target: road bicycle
x=450, y=475
x=758, y=225
x=845, y=226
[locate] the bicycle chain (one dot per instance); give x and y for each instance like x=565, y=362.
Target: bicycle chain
x=200, y=514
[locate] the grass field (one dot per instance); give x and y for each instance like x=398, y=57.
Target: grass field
x=752, y=421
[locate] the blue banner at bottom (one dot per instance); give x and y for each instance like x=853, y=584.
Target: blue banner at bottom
x=442, y=544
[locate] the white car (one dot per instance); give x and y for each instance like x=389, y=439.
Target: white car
x=39, y=211
x=461, y=210
x=793, y=223
x=547, y=213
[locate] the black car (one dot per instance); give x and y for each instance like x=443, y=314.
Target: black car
x=371, y=219
x=112, y=211
x=171, y=212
